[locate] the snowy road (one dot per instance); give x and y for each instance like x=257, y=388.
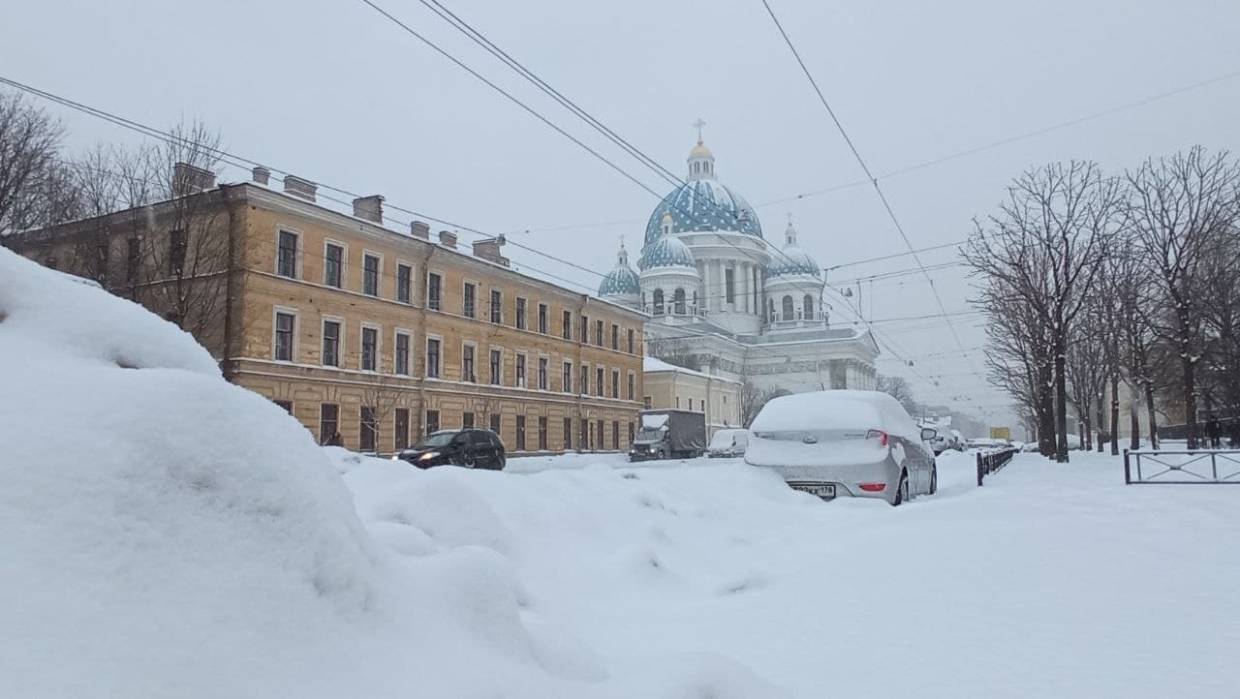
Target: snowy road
x=1052, y=580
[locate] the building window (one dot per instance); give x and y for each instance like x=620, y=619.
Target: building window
x=542, y=434
x=331, y=343
x=366, y=431
x=598, y=381
x=568, y=433
x=658, y=302
x=370, y=349
x=807, y=311
x=401, y=429
x=404, y=283
x=469, y=303
x=497, y=364
x=432, y=358
x=285, y=325
x=678, y=302
x=630, y=340
x=598, y=441
x=615, y=383
x=495, y=423
x=329, y=422
x=585, y=434
x=434, y=284
x=521, y=371
x=678, y=402
x=615, y=434
x=691, y=404
x=520, y=313
x=585, y=329
x=789, y=314
x=567, y=379
x=286, y=255
x=467, y=364
x=402, y=354
x=432, y=421
x=370, y=275
x=497, y=306
x=598, y=333
x=133, y=253
x=542, y=318
x=566, y=332
x=631, y=392
x=585, y=380
x=286, y=404
x=542, y=373
x=729, y=283
x=520, y=433
x=467, y=420
x=177, y=245
x=333, y=265
x=615, y=336
x=647, y=402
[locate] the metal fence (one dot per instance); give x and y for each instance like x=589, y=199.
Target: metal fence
x=1182, y=467
x=991, y=461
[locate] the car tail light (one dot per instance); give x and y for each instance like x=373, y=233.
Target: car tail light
x=872, y=487
x=879, y=435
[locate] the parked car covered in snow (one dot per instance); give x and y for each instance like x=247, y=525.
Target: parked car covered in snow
x=728, y=443
x=836, y=443
x=470, y=448
x=944, y=441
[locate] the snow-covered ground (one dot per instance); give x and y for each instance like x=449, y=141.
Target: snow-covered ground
x=166, y=534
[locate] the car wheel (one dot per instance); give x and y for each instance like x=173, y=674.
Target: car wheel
x=901, y=490
x=934, y=479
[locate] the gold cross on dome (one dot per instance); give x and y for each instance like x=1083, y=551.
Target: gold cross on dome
x=699, y=124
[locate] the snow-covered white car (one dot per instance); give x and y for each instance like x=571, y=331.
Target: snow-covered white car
x=728, y=443
x=835, y=443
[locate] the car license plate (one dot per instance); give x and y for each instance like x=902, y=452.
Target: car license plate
x=822, y=490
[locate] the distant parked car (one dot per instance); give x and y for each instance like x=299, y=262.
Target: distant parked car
x=950, y=440
x=988, y=443
x=728, y=443
x=470, y=448
x=835, y=443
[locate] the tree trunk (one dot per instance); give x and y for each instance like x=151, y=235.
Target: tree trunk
x=1190, y=398
x=1149, y=408
x=1114, y=414
x=1061, y=401
x=1085, y=432
x=1102, y=423
x=1046, y=416
x=1134, y=424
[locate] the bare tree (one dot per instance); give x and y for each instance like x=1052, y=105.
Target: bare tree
x=674, y=351
x=1181, y=204
x=753, y=399
x=32, y=183
x=897, y=387
x=1045, y=248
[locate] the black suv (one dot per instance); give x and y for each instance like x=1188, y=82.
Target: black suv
x=469, y=448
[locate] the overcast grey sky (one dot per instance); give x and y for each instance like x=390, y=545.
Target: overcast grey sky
x=334, y=92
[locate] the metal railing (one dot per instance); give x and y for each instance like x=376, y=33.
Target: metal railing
x=1182, y=467
x=991, y=461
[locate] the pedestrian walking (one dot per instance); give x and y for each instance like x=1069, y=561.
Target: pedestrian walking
x=335, y=440
x=1214, y=432
x=1233, y=433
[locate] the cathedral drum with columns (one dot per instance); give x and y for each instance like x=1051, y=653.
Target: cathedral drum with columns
x=726, y=301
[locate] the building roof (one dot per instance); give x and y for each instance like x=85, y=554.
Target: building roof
x=654, y=364
x=667, y=252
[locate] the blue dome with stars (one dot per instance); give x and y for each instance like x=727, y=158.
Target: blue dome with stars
x=621, y=280
x=702, y=203
x=667, y=252
x=792, y=260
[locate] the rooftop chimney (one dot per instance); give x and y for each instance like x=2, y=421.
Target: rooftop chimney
x=369, y=208
x=419, y=229
x=447, y=239
x=297, y=187
x=261, y=175
x=488, y=249
x=187, y=179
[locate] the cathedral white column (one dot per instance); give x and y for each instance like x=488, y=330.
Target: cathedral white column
x=743, y=272
x=722, y=283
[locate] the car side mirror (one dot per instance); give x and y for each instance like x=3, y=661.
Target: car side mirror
x=928, y=433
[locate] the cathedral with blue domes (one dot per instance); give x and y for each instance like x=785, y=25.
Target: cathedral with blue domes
x=736, y=304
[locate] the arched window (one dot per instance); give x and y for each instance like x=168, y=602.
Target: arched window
x=808, y=304
x=644, y=306
x=789, y=313
x=770, y=310
x=658, y=302
x=695, y=301
x=678, y=301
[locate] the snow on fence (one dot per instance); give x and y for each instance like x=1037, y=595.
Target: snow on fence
x=1182, y=467
x=991, y=461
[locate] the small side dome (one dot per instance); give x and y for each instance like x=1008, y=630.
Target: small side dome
x=792, y=260
x=667, y=252
x=621, y=280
